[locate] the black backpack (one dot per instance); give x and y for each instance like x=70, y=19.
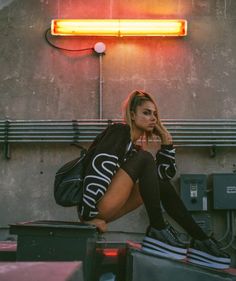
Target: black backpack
x=68, y=183
x=69, y=179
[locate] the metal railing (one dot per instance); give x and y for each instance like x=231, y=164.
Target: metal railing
x=185, y=132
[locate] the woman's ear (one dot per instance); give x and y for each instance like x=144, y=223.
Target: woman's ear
x=132, y=115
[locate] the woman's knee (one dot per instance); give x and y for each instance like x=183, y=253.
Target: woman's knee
x=145, y=155
x=135, y=165
x=146, y=159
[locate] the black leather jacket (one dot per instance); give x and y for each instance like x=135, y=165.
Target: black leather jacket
x=105, y=156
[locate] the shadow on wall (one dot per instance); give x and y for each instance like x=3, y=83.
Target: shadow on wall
x=4, y=3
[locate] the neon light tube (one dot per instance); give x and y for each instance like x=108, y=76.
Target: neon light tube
x=116, y=27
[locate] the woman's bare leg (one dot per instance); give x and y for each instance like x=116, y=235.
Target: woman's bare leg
x=118, y=193
x=121, y=198
x=133, y=202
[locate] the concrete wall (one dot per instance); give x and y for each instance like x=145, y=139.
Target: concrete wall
x=192, y=77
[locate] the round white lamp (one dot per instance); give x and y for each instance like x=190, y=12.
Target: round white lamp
x=100, y=47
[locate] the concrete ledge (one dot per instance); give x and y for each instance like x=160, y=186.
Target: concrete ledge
x=8, y=250
x=41, y=271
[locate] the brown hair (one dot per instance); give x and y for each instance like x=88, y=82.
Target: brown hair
x=133, y=100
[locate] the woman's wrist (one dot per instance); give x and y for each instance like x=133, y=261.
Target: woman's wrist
x=166, y=139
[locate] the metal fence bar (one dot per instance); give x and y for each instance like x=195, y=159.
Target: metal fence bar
x=185, y=132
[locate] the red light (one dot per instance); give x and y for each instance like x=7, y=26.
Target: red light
x=119, y=27
x=112, y=252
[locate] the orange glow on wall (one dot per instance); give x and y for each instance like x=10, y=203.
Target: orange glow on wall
x=118, y=27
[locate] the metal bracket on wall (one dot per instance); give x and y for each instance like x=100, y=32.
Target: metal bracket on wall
x=213, y=151
x=76, y=137
x=6, y=145
x=76, y=130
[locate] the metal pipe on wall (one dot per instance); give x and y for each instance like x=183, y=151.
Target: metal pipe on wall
x=100, y=86
x=100, y=49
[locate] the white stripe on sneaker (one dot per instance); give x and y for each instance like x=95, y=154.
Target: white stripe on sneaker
x=168, y=252
x=208, y=257
x=208, y=264
x=213, y=264
x=158, y=252
x=163, y=245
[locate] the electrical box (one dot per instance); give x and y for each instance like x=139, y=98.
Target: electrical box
x=193, y=191
x=224, y=191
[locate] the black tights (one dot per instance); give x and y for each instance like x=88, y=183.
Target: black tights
x=141, y=166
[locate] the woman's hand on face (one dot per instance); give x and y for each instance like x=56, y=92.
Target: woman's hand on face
x=161, y=131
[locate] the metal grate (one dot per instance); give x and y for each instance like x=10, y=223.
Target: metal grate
x=192, y=133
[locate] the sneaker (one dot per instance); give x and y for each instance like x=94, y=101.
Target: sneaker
x=208, y=253
x=164, y=243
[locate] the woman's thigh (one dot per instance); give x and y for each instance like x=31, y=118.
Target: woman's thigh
x=116, y=196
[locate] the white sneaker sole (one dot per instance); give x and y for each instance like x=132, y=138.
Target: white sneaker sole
x=202, y=258
x=159, y=248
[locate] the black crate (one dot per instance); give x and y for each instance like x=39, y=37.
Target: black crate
x=56, y=241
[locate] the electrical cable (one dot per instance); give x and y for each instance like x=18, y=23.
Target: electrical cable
x=231, y=232
x=61, y=48
x=227, y=227
x=233, y=229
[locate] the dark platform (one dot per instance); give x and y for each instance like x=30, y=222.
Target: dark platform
x=142, y=266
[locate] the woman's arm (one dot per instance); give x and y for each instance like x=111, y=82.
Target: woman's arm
x=165, y=157
x=165, y=161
